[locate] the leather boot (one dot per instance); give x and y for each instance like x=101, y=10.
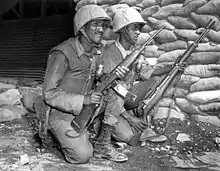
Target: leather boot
x=103, y=147
x=149, y=135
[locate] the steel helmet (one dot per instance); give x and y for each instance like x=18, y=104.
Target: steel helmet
x=88, y=13
x=125, y=17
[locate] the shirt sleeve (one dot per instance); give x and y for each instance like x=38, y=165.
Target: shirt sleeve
x=53, y=94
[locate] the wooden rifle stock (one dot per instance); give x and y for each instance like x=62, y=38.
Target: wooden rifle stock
x=155, y=95
x=82, y=121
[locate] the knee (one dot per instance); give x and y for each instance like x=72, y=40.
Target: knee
x=128, y=136
x=79, y=156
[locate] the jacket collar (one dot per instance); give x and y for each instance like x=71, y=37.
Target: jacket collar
x=122, y=50
x=79, y=48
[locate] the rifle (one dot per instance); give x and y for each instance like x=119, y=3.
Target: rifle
x=152, y=97
x=88, y=113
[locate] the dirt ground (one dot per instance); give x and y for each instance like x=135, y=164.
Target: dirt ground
x=19, y=150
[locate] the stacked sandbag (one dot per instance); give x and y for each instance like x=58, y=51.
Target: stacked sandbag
x=11, y=106
x=18, y=97
x=29, y=96
x=197, y=92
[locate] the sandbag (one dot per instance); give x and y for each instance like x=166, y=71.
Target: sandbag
x=110, y=10
x=130, y=2
x=189, y=7
x=167, y=2
x=181, y=22
x=212, y=7
x=207, y=47
x=176, y=92
x=152, y=51
x=204, y=84
x=187, y=2
x=210, y=108
x=165, y=102
x=166, y=11
x=203, y=19
x=213, y=120
x=108, y=2
x=16, y=109
x=6, y=86
x=203, y=71
x=187, y=80
x=8, y=80
x=157, y=24
x=188, y=107
x=10, y=97
x=82, y=3
x=188, y=35
x=204, y=58
x=148, y=3
x=146, y=29
x=165, y=36
x=29, y=96
x=163, y=113
x=203, y=97
x=171, y=46
x=212, y=35
x=149, y=11
x=170, y=56
x=8, y=115
x=142, y=38
x=151, y=61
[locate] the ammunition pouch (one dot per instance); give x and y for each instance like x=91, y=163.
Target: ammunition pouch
x=122, y=91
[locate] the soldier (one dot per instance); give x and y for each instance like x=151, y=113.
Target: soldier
x=122, y=123
x=69, y=79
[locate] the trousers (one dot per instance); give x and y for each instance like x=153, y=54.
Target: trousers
x=80, y=150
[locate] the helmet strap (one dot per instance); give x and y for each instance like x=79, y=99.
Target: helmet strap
x=88, y=39
x=126, y=31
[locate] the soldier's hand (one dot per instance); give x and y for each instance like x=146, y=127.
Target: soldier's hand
x=93, y=98
x=122, y=71
x=141, y=63
x=137, y=123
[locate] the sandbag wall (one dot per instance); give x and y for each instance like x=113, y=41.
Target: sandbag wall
x=198, y=91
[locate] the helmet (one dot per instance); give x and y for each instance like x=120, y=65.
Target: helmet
x=125, y=17
x=88, y=13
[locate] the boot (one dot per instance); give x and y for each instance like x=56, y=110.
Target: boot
x=103, y=147
x=149, y=135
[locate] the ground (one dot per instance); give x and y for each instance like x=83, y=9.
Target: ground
x=19, y=147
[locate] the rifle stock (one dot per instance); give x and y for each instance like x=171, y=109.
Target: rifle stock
x=157, y=92
x=82, y=121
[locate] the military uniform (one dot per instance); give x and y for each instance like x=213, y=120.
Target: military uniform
x=68, y=71
x=113, y=54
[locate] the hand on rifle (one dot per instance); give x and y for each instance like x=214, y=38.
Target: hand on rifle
x=135, y=122
x=93, y=98
x=141, y=63
x=122, y=71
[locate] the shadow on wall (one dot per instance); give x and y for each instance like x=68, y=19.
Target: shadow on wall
x=6, y=5
x=24, y=44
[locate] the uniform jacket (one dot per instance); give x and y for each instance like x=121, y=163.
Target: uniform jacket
x=112, y=55
x=67, y=74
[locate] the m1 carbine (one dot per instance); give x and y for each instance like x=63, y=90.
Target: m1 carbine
x=156, y=93
x=88, y=113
